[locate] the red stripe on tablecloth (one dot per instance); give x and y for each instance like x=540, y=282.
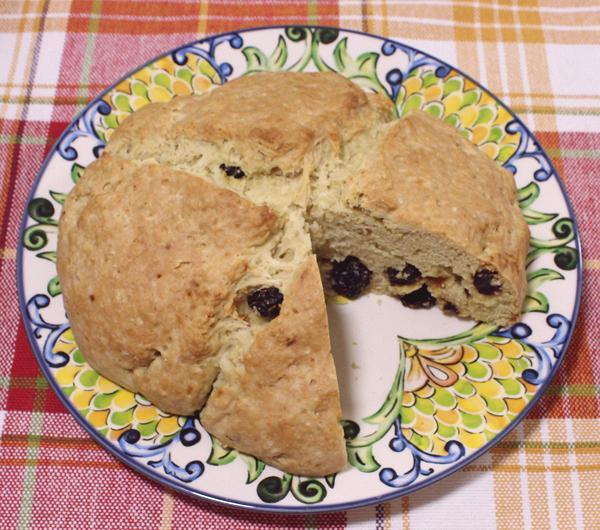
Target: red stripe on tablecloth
x=137, y=19
x=55, y=129
x=25, y=368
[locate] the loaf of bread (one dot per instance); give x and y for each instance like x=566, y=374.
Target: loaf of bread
x=188, y=251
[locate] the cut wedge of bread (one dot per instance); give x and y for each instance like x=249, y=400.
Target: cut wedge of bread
x=429, y=215
x=279, y=398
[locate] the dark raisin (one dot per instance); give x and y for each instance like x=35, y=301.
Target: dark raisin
x=267, y=301
x=349, y=277
x=487, y=282
x=421, y=298
x=408, y=275
x=233, y=171
x=449, y=307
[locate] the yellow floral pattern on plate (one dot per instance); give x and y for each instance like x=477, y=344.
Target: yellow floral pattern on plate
x=467, y=392
x=158, y=82
x=460, y=102
x=109, y=408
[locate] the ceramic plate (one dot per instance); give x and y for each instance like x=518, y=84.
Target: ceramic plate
x=423, y=394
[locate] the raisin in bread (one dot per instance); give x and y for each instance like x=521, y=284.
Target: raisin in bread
x=208, y=210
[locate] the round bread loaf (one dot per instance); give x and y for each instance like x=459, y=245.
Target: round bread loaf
x=187, y=252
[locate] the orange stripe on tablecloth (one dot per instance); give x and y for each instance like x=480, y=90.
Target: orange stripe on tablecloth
x=464, y=36
x=29, y=20
x=12, y=25
x=588, y=483
x=386, y=27
x=13, y=65
x=589, y=498
x=464, y=30
x=406, y=28
x=547, y=95
x=585, y=37
x=592, y=264
x=585, y=429
x=573, y=18
x=491, y=53
x=351, y=16
x=551, y=450
x=563, y=487
x=202, y=17
x=537, y=489
x=572, y=3
x=380, y=18
x=387, y=516
x=507, y=488
x=8, y=253
x=531, y=468
x=405, y=505
x=538, y=68
x=520, y=62
x=17, y=440
x=440, y=13
x=328, y=13
x=365, y=12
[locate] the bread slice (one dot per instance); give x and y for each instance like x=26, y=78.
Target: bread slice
x=187, y=252
x=278, y=400
x=430, y=217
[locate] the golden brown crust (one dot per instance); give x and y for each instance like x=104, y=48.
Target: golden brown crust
x=272, y=119
x=279, y=400
x=422, y=173
x=148, y=258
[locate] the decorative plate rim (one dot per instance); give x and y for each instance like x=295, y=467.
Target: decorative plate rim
x=233, y=503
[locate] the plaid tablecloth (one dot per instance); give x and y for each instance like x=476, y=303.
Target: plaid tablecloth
x=540, y=57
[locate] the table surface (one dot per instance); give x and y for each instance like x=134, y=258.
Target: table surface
x=540, y=57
